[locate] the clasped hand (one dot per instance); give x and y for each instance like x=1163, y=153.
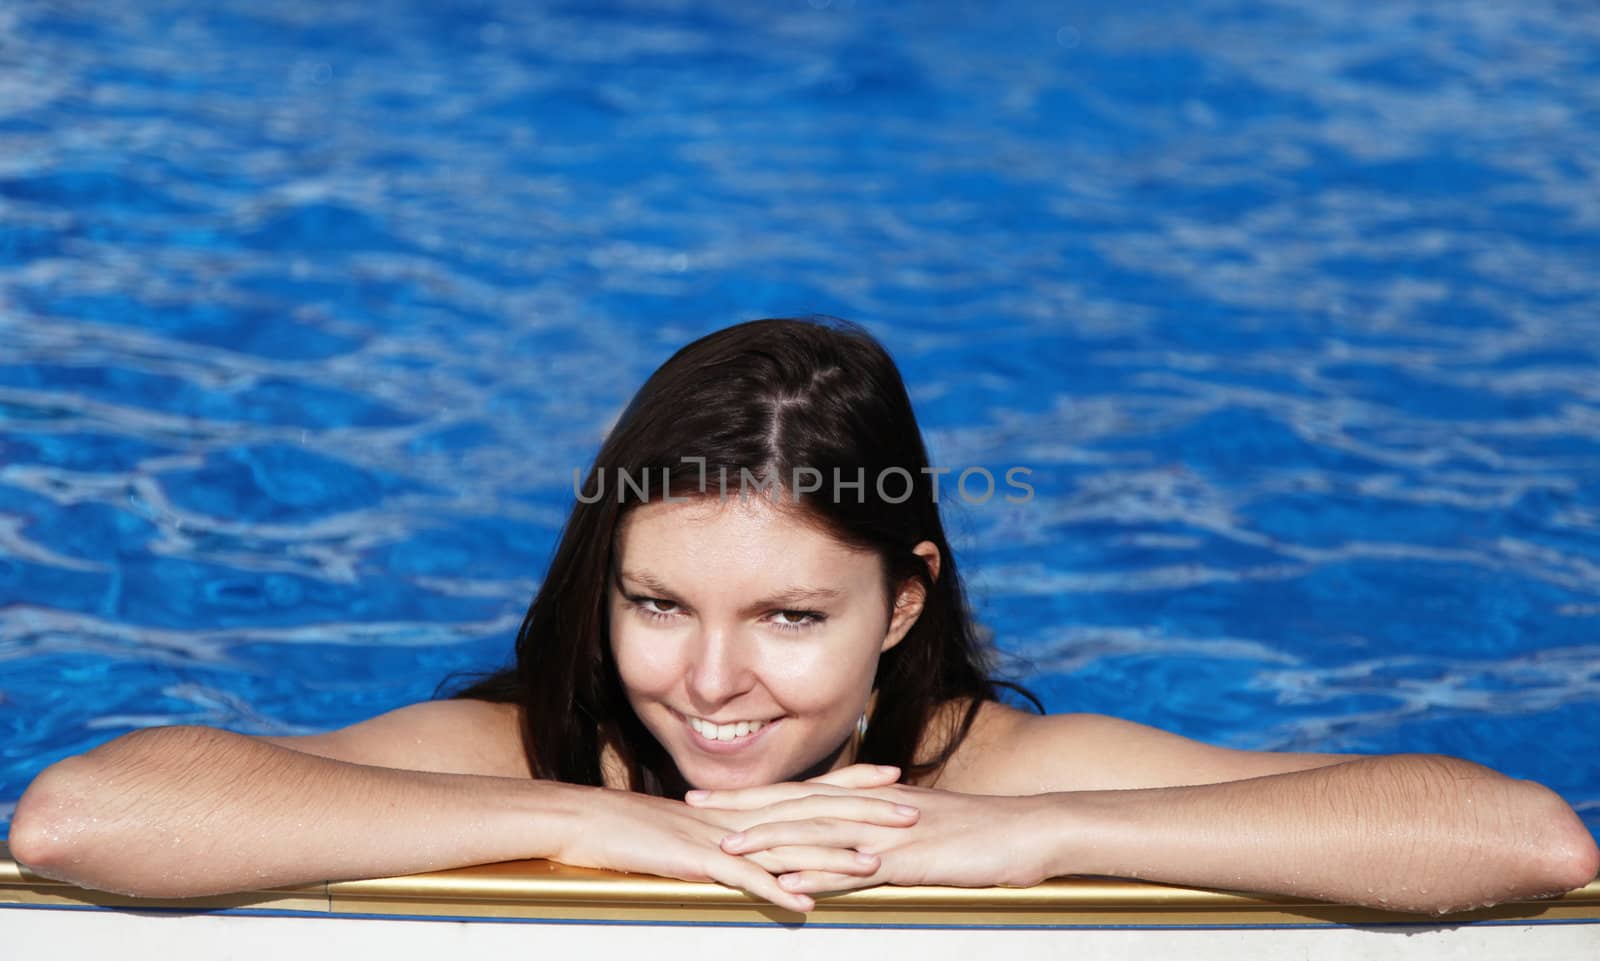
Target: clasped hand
x=964, y=840
x=851, y=828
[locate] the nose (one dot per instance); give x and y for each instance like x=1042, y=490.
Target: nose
x=719, y=668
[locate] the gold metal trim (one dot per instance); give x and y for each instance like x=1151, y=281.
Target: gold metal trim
x=550, y=891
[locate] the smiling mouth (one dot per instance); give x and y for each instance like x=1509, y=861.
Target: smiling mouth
x=722, y=738
x=724, y=732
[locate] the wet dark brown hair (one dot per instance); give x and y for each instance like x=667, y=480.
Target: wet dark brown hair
x=766, y=397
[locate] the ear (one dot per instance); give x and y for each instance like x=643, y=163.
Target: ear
x=911, y=596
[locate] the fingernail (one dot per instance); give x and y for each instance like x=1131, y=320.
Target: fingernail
x=888, y=769
x=697, y=795
x=789, y=880
x=905, y=809
x=733, y=840
x=865, y=858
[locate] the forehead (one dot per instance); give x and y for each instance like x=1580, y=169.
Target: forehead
x=750, y=537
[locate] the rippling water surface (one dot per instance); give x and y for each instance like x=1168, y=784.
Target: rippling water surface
x=308, y=311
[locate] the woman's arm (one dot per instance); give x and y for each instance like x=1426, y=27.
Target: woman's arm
x=1031, y=797
x=1412, y=832
x=1420, y=833
x=188, y=811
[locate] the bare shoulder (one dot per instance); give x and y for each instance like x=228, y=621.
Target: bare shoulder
x=450, y=737
x=991, y=724
x=1018, y=752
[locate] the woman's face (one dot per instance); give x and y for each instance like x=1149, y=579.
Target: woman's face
x=746, y=640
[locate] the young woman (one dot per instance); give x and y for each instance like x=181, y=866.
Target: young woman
x=752, y=662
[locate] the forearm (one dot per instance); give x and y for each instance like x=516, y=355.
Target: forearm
x=180, y=812
x=1422, y=833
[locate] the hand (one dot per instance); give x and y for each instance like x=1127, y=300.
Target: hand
x=624, y=831
x=964, y=840
x=830, y=798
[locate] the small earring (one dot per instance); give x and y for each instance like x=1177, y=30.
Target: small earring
x=861, y=725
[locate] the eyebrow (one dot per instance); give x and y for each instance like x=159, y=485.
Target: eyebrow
x=785, y=598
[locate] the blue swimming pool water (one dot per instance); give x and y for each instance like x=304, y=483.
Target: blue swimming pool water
x=308, y=311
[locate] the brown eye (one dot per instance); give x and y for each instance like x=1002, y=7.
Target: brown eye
x=654, y=608
x=804, y=620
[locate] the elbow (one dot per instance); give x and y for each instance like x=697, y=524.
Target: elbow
x=1564, y=853
x=1580, y=868
x=48, y=821
x=72, y=823
x=1533, y=846
x=1558, y=848
x=1574, y=860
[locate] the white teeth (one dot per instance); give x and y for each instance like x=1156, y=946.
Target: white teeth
x=725, y=732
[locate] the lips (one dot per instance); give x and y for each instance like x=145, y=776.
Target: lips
x=724, y=732
x=708, y=736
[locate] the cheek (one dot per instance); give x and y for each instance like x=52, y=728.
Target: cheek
x=645, y=664
x=812, y=679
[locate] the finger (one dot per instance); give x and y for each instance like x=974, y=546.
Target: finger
x=744, y=799
x=727, y=820
x=818, y=882
x=861, y=808
x=750, y=878
x=796, y=858
x=817, y=832
x=859, y=776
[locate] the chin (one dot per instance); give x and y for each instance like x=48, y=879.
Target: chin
x=710, y=777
